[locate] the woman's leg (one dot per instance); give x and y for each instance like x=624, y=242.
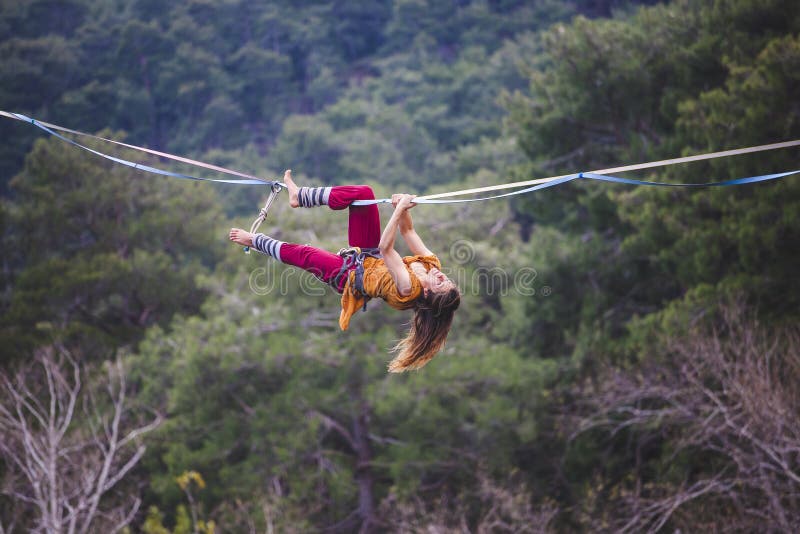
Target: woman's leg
x=364, y=228
x=364, y=223
x=321, y=263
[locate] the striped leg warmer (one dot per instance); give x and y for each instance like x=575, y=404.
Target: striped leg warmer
x=267, y=245
x=313, y=196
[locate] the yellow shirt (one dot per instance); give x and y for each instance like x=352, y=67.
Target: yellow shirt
x=378, y=282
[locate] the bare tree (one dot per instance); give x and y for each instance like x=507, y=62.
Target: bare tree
x=66, y=445
x=728, y=398
x=488, y=507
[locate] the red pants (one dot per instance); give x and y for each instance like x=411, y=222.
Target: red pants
x=364, y=230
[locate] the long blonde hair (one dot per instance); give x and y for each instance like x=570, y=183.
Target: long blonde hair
x=433, y=316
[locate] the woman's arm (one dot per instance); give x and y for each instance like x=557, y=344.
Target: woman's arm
x=393, y=260
x=410, y=236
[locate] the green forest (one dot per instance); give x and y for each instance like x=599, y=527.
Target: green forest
x=625, y=359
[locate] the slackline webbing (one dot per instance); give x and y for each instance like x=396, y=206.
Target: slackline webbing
x=246, y=179
x=588, y=176
x=635, y=167
x=439, y=198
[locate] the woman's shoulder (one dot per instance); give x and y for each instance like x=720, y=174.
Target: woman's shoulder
x=428, y=261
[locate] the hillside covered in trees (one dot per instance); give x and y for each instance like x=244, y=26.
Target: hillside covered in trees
x=625, y=359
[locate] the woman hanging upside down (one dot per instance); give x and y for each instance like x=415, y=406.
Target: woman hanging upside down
x=372, y=267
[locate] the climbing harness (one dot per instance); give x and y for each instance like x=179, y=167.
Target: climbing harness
x=275, y=189
x=354, y=259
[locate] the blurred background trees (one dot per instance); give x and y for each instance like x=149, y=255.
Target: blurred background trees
x=625, y=358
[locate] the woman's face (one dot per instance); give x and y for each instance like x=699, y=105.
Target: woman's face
x=437, y=282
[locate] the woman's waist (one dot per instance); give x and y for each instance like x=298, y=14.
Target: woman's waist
x=355, y=262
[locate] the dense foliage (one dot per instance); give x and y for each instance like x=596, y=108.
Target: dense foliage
x=624, y=359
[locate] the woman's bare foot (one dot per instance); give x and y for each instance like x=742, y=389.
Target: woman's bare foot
x=294, y=200
x=242, y=237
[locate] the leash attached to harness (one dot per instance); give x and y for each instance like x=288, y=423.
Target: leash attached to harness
x=354, y=258
x=275, y=188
